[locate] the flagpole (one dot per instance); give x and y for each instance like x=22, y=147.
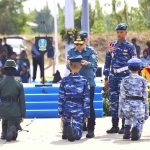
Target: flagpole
x=56, y=35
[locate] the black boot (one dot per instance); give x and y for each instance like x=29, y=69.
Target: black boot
x=135, y=134
x=11, y=133
x=90, y=134
x=127, y=132
x=114, y=128
x=64, y=136
x=84, y=127
x=70, y=134
x=4, y=129
x=121, y=131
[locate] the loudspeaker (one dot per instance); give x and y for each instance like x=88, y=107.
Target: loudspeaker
x=99, y=72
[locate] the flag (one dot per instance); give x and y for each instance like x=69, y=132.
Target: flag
x=69, y=23
x=85, y=16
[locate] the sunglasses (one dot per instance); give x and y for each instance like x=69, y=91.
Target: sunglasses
x=78, y=44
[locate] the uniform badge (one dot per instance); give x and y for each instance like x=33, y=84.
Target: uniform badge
x=112, y=55
x=93, y=56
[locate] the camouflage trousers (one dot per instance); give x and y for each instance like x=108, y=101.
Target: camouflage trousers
x=74, y=116
x=134, y=113
x=114, y=91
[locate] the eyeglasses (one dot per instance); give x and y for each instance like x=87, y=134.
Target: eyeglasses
x=78, y=44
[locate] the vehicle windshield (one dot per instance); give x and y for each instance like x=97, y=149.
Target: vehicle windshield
x=15, y=43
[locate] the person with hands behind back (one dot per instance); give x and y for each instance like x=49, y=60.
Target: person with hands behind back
x=74, y=101
x=133, y=101
x=12, y=102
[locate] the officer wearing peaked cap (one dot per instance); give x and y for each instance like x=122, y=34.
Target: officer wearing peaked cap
x=133, y=103
x=85, y=35
x=74, y=103
x=89, y=62
x=12, y=102
x=115, y=69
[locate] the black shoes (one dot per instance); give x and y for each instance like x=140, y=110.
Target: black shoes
x=64, y=136
x=70, y=134
x=135, y=134
x=4, y=132
x=11, y=134
x=127, y=132
x=90, y=134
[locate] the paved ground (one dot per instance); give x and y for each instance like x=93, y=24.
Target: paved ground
x=45, y=134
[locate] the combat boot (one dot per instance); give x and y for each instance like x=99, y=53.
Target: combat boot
x=4, y=129
x=90, y=134
x=135, y=134
x=84, y=127
x=11, y=133
x=4, y=132
x=64, y=136
x=127, y=132
x=70, y=134
x=114, y=128
x=121, y=131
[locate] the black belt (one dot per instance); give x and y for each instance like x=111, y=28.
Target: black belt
x=9, y=99
x=77, y=100
x=134, y=98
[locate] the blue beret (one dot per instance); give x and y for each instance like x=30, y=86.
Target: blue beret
x=75, y=58
x=121, y=26
x=84, y=33
x=134, y=62
x=79, y=39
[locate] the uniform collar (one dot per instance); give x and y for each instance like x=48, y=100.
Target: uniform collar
x=134, y=75
x=83, y=49
x=124, y=42
x=74, y=74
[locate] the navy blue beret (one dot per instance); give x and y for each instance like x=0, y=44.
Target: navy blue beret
x=121, y=26
x=84, y=33
x=75, y=58
x=134, y=62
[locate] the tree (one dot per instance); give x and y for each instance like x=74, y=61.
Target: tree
x=44, y=15
x=13, y=19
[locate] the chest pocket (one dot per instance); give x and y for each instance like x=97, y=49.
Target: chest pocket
x=86, y=57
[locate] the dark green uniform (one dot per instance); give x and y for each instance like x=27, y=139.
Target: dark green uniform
x=12, y=101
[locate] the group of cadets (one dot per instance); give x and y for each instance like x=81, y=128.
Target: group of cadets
x=128, y=91
x=23, y=64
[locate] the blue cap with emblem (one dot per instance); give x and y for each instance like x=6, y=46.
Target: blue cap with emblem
x=134, y=62
x=84, y=33
x=75, y=58
x=121, y=26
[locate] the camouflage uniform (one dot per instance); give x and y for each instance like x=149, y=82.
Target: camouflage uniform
x=89, y=55
x=116, y=68
x=74, y=88
x=134, y=111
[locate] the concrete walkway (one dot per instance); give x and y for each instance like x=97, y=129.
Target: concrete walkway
x=45, y=134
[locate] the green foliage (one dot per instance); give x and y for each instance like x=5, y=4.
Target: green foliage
x=44, y=15
x=12, y=17
x=106, y=103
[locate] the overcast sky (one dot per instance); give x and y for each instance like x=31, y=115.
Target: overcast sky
x=39, y=4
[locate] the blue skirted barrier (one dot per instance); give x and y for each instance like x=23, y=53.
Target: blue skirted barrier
x=42, y=102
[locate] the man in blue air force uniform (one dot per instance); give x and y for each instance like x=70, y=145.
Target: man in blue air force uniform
x=115, y=69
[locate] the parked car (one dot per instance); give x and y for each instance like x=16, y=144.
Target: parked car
x=17, y=43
